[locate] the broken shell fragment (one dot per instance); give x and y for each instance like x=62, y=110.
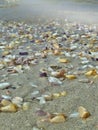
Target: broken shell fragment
x=59, y=118
x=83, y=113
x=9, y=108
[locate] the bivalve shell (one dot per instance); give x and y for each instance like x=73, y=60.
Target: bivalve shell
x=92, y=72
x=58, y=118
x=9, y=108
x=5, y=102
x=83, y=113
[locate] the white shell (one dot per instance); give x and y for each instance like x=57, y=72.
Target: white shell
x=18, y=101
x=4, y=85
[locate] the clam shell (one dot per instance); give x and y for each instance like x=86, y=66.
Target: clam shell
x=5, y=102
x=9, y=108
x=92, y=72
x=83, y=113
x=58, y=119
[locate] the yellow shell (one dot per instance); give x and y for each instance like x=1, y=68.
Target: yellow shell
x=56, y=95
x=5, y=53
x=56, y=46
x=9, y=108
x=58, y=119
x=5, y=102
x=92, y=72
x=48, y=97
x=63, y=60
x=83, y=113
x=56, y=52
x=70, y=76
x=63, y=93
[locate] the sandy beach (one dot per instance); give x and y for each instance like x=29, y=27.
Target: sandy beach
x=48, y=69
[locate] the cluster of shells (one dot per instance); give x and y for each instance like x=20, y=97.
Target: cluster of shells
x=13, y=105
x=64, y=45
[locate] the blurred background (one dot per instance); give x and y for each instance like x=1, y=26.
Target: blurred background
x=81, y=10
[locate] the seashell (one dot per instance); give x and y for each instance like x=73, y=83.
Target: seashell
x=34, y=94
x=6, y=97
x=59, y=74
x=56, y=46
x=1, y=66
x=54, y=80
x=83, y=113
x=70, y=76
x=56, y=52
x=73, y=115
x=5, y=102
x=63, y=93
x=41, y=112
x=5, y=53
x=18, y=69
x=23, y=53
x=48, y=97
x=41, y=99
x=58, y=118
x=92, y=72
x=18, y=101
x=4, y=85
x=54, y=73
x=9, y=108
x=63, y=60
x=56, y=95
x=26, y=106
x=43, y=74
x=35, y=128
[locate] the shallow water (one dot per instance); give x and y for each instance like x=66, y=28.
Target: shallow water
x=85, y=11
